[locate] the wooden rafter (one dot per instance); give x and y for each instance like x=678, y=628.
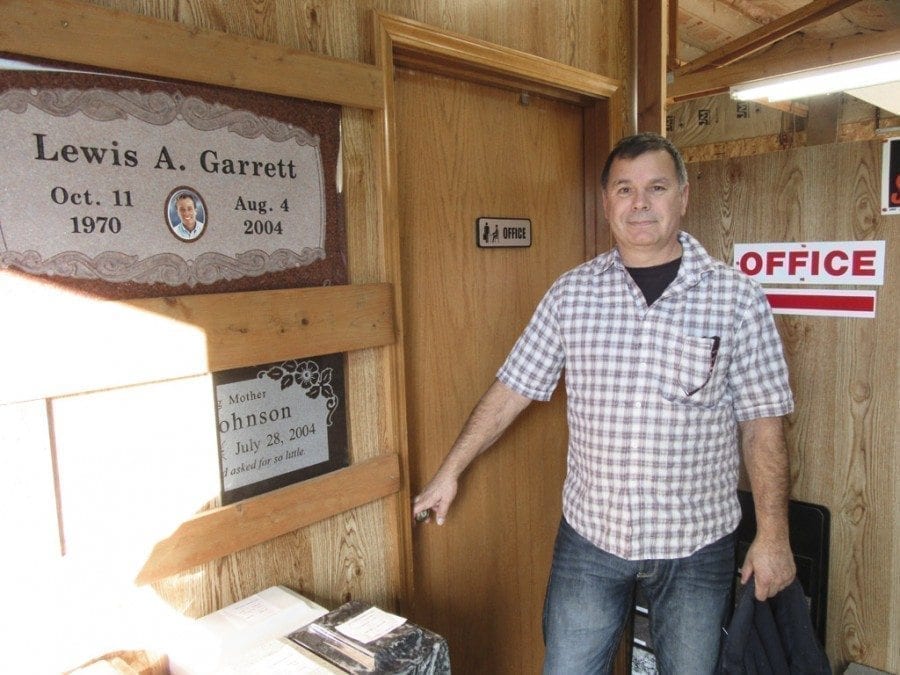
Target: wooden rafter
x=790, y=56
x=765, y=35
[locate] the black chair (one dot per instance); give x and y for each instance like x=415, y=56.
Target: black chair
x=810, y=527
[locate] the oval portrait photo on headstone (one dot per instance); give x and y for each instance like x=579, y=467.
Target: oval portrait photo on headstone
x=186, y=214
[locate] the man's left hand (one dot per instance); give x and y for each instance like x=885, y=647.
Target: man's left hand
x=772, y=564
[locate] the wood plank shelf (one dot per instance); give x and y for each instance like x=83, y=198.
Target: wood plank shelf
x=219, y=532
x=101, y=344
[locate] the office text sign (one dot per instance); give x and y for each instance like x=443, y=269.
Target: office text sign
x=503, y=232
x=832, y=263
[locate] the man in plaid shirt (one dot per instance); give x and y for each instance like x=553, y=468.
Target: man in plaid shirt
x=672, y=364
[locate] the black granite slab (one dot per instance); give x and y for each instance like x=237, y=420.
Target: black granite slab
x=408, y=649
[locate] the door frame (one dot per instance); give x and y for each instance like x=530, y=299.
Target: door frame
x=412, y=44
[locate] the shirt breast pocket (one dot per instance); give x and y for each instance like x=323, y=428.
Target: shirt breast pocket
x=696, y=375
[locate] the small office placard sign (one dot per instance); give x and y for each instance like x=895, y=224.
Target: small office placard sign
x=503, y=232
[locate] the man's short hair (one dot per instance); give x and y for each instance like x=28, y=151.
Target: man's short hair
x=185, y=195
x=638, y=144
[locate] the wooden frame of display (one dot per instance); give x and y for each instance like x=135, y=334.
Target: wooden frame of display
x=322, y=320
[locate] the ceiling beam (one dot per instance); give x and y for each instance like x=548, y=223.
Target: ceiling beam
x=792, y=55
x=766, y=35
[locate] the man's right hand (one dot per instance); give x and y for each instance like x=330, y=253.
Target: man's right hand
x=435, y=499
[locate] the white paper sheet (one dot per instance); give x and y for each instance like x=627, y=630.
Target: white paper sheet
x=370, y=625
x=278, y=657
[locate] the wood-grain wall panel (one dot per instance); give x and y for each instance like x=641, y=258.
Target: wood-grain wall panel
x=69, y=31
x=587, y=34
x=843, y=434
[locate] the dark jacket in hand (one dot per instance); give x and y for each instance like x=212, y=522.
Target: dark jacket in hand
x=775, y=637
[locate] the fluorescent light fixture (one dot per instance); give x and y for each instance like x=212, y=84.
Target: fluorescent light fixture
x=852, y=75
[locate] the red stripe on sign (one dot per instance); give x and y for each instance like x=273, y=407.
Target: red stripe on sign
x=844, y=303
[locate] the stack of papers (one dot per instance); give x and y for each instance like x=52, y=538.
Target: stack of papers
x=248, y=637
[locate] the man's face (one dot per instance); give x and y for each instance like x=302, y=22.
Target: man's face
x=187, y=212
x=644, y=204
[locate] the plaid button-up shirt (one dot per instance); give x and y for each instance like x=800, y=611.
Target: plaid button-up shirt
x=655, y=395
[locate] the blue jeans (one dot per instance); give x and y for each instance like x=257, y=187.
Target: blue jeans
x=591, y=593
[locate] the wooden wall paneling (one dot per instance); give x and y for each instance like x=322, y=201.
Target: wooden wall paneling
x=377, y=421
x=416, y=44
x=329, y=561
x=575, y=33
x=843, y=433
x=289, y=559
x=869, y=470
x=69, y=31
x=794, y=217
x=893, y=643
x=840, y=448
x=579, y=33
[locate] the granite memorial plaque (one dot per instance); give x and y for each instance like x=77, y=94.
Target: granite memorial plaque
x=280, y=423
x=137, y=187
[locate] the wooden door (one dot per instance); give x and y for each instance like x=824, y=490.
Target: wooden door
x=465, y=151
